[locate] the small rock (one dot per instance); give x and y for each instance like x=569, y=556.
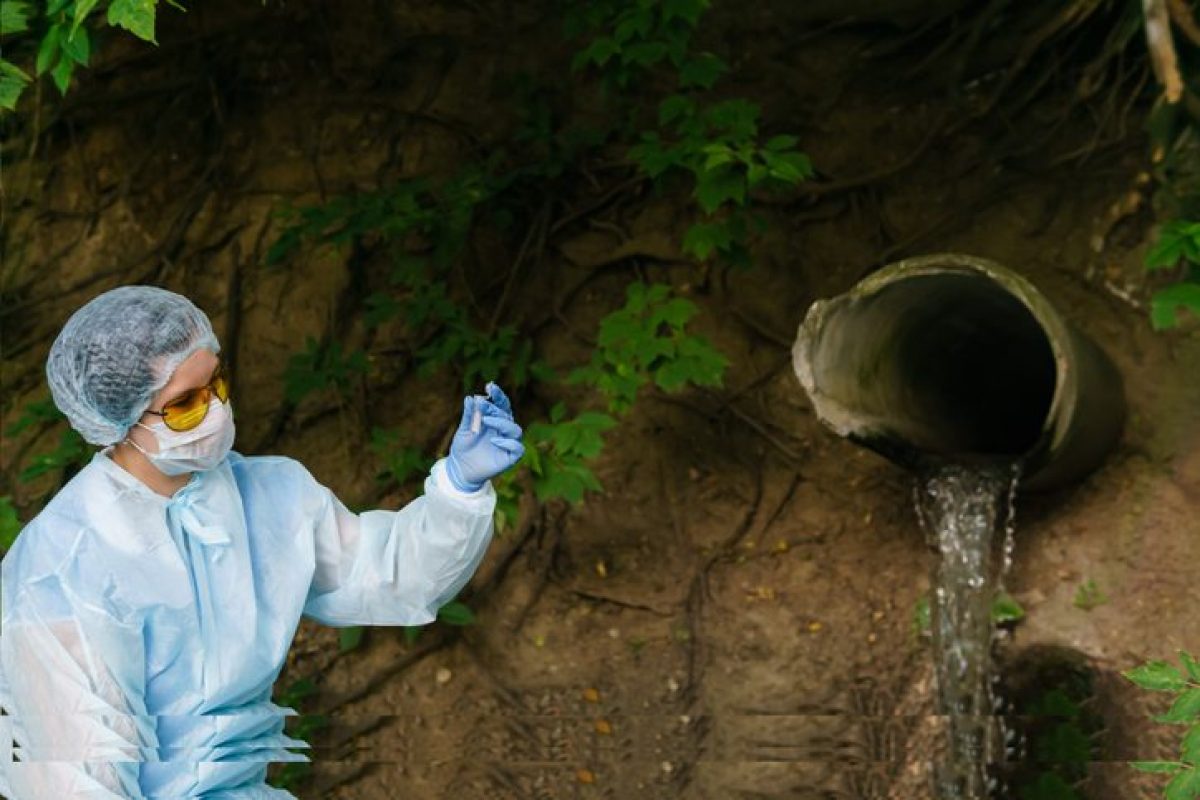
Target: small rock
x=443, y=675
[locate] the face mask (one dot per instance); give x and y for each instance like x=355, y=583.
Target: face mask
x=201, y=448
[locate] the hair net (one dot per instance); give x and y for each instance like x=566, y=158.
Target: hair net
x=117, y=351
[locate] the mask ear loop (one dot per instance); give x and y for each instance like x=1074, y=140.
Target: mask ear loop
x=137, y=446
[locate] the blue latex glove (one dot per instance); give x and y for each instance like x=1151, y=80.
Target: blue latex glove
x=476, y=456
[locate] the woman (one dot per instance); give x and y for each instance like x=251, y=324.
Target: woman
x=148, y=609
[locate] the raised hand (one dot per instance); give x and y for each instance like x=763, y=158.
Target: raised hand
x=482, y=451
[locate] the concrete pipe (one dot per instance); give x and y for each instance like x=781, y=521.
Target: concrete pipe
x=950, y=357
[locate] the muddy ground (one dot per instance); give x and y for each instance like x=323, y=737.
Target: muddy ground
x=732, y=618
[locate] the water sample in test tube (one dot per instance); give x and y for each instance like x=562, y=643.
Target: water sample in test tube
x=477, y=417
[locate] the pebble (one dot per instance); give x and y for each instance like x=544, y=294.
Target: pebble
x=443, y=675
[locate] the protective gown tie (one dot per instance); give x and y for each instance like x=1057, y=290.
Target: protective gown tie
x=199, y=517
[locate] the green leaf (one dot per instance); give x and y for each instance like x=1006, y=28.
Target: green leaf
x=921, y=616
x=718, y=186
x=136, y=16
x=82, y=9
x=1006, y=609
x=701, y=71
x=10, y=525
x=1088, y=595
x=295, y=692
x=456, y=613
x=77, y=46
x=644, y=54
x=1177, y=240
x=687, y=10
x=638, y=21
x=1165, y=304
x=780, y=143
x=14, y=17
x=12, y=83
x=674, y=107
x=71, y=451
x=1192, y=666
x=1185, y=709
x=598, y=52
x=1184, y=786
x=350, y=638
x=703, y=239
x=1157, y=766
x=62, y=74
x=788, y=167
x=47, y=50
x=675, y=313
x=1190, y=748
x=1157, y=676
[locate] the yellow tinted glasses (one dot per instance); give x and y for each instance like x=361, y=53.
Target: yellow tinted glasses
x=188, y=410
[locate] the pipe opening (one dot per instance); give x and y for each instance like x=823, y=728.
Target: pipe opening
x=951, y=363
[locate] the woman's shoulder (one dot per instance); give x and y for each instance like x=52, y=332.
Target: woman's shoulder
x=272, y=473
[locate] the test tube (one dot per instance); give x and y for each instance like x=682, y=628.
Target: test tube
x=477, y=418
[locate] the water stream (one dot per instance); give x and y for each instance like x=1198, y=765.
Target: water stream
x=962, y=508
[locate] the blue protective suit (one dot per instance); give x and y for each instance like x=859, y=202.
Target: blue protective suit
x=140, y=635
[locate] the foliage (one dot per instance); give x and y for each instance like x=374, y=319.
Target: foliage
x=629, y=39
x=10, y=525
x=716, y=143
x=303, y=726
x=424, y=227
x=647, y=340
x=1178, y=249
x=1005, y=611
x=70, y=452
x=452, y=613
x=1184, y=685
x=1088, y=595
x=65, y=34
x=322, y=366
x=401, y=462
x=557, y=451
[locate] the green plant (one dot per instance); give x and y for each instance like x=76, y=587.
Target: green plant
x=452, y=613
x=65, y=40
x=718, y=144
x=647, y=340
x=1005, y=610
x=322, y=366
x=1177, y=248
x=1088, y=595
x=401, y=462
x=556, y=453
x=10, y=525
x=302, y=726
x=70, y=452
x=629, y=39
x=1184, y=685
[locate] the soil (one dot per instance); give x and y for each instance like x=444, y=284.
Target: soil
x=732, y=617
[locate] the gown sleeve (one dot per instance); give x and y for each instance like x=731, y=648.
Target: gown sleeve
x=398, y=567
x=73, y=686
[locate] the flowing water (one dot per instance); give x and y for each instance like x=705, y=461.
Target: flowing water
x=962, y=508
